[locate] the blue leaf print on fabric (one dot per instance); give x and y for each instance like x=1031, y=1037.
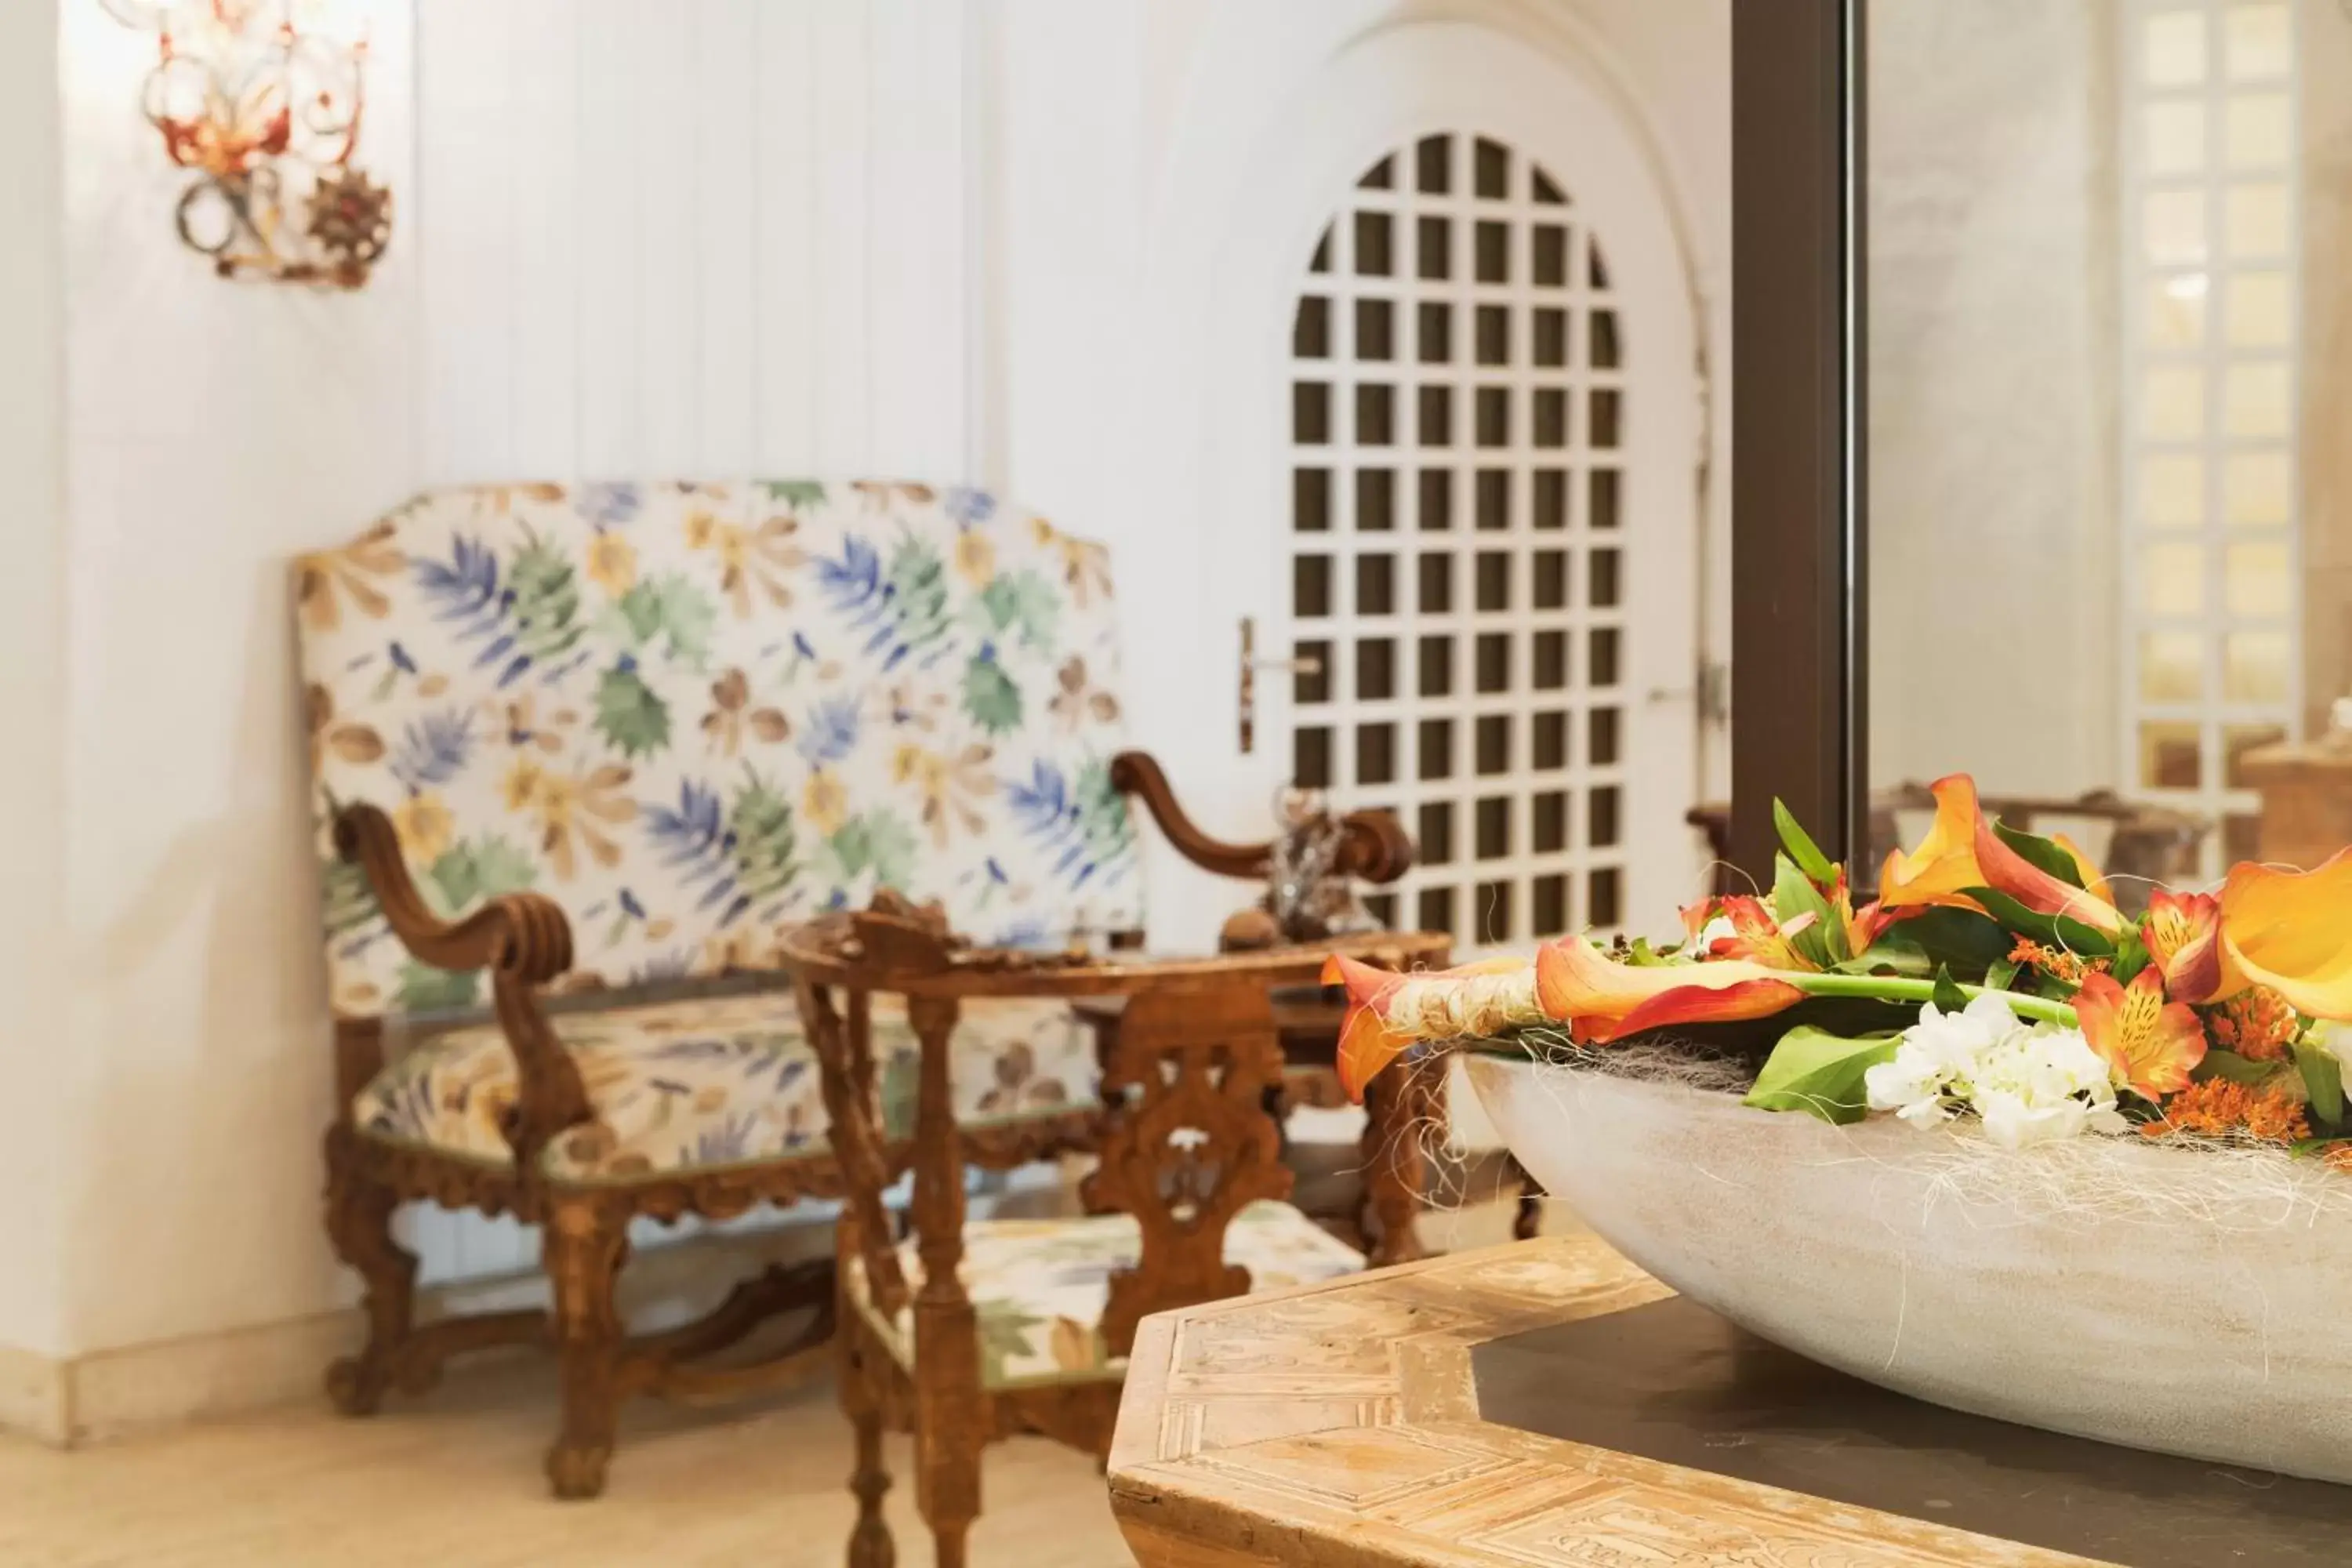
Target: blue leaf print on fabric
x=831, y=732
x=693, y=840
x=968, y=506
x=1083, y=828
x=433, y=750
x=1028, y=932
x=607, y=505
x=463, y=589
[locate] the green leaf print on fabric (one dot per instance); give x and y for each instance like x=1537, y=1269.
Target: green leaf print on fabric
x=424, y=989
x=794, y=492
x=469, y=872
x=1104, y=823
x=918, y=592
x=546, y=601
x=349, y=905
x=1023, y=604
x=1004, y=1335
x=664, y=609
x=629, y=714
x=991, y=700
x=878, y=842
x=760, y=819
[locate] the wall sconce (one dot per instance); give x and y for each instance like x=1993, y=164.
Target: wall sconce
x=263, y=106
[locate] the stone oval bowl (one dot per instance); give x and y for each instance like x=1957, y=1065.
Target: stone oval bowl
x=2226, y=1337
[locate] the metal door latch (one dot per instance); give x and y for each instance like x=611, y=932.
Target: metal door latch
x=1251, y=665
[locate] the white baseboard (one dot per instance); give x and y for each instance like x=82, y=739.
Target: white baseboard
x=33, y=1389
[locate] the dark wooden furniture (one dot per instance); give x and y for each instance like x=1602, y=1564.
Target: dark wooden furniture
x=1185, y=1144
x=1549, y=1404
x=524, y=940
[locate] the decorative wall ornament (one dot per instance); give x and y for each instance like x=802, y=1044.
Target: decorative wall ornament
x=262, y=100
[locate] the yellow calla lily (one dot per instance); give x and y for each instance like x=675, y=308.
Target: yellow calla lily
x=1945, y=865
x=2291, y=931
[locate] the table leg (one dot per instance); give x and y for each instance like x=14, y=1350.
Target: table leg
x=1403, y=1114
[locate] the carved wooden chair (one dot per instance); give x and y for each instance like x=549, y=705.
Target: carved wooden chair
x=965, y=1332
x=601, y=745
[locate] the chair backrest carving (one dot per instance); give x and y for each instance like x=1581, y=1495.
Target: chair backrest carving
x=693, y=713
x=1189, y=1144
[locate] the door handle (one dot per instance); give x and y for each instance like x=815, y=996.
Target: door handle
x=1250, y=664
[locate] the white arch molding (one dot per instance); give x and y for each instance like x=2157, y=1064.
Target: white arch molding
x=1228, y=254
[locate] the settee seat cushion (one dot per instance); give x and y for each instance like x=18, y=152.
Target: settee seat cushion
x=713, y=1081
x=1038, y=1287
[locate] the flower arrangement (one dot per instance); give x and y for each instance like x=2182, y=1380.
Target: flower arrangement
x=1993, y=980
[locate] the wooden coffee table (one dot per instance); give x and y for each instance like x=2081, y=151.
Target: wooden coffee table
x=1547, y=1404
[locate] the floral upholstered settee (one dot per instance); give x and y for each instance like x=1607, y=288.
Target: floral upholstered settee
x=581, y=754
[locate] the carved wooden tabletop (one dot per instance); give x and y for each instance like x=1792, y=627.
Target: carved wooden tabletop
x=1342, y=1424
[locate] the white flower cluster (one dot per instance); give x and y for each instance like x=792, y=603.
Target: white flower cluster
x=2027, y=1084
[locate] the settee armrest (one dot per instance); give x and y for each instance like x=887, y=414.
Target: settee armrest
x=523, y=940
x=1375, y=845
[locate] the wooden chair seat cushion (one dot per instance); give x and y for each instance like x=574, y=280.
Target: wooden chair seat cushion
x=1039, y=1286
x=713, y=1081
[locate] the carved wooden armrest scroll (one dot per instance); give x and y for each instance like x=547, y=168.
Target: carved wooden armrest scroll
x=1376, y=846
x=522, y=939
x=1189, y=1142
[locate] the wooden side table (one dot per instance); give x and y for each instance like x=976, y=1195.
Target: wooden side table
x=1547, y=1404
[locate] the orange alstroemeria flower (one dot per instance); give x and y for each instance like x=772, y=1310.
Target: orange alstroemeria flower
x=2291, y=931
x=2183, y=935
x=2152, y=1044
x=1600, y=999
x=1962, y=851
x=1370, y=1036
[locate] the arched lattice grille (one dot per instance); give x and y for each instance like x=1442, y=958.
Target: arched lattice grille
x=1458, y=417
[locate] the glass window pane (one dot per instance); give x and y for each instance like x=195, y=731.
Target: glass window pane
x=2259, y=310
x=2174, y=136
x=2257, y=489
x=2237, y=739
x=2175, y=579
x=2258, y=41
x=2171, y=667
x=2256, y=221
x=2255, y=400
x=2255, y=580
x=2174, y=222
x=2175, y=48
x=2170, y=753
x=2172, y=404
x=2253, y=667
x=2260, y=128
x=2172, y=490
x=2176, y=311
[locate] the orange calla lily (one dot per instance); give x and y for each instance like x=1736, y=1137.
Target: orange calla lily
x=1962, y=851
x=1600, y=999
x=2095, y=883
x=2291, y=931
x=2183, y=935
x=2151, y=1043
x=1944, y=866
x=1373, y=1034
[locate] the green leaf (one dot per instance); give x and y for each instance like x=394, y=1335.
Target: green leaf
x=545, y=595
x=1961, y=940
x=1950, y=998
x=664, y=609
x=1800, y=845
x=2131, y=956
x=1793, y=894
x=469, y=872
x=629, y=714
x=2323, y=1080
x=2235, y=1068
x=2049, y=930
x=990, y=697
x=1820, y=1073
x=917, y=580
x=1024, y=604
x=2042, y=854
x=350, y=902
x=424, y=989
x=877, y=842
x=761, y=820
x=794, y=492
x=1999, y=976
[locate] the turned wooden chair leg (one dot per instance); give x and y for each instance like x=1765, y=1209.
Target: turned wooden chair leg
x=870, y=1545
x=359, y=1225
x=586, y=1242
x=1395, y=1174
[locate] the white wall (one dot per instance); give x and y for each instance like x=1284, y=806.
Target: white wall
x=33, y=1201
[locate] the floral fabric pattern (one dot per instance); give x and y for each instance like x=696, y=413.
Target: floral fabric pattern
x=1039, y=1286
x=717, y=1081
x=695, y=714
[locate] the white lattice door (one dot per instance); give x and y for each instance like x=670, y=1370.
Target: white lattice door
x=1485, y=568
